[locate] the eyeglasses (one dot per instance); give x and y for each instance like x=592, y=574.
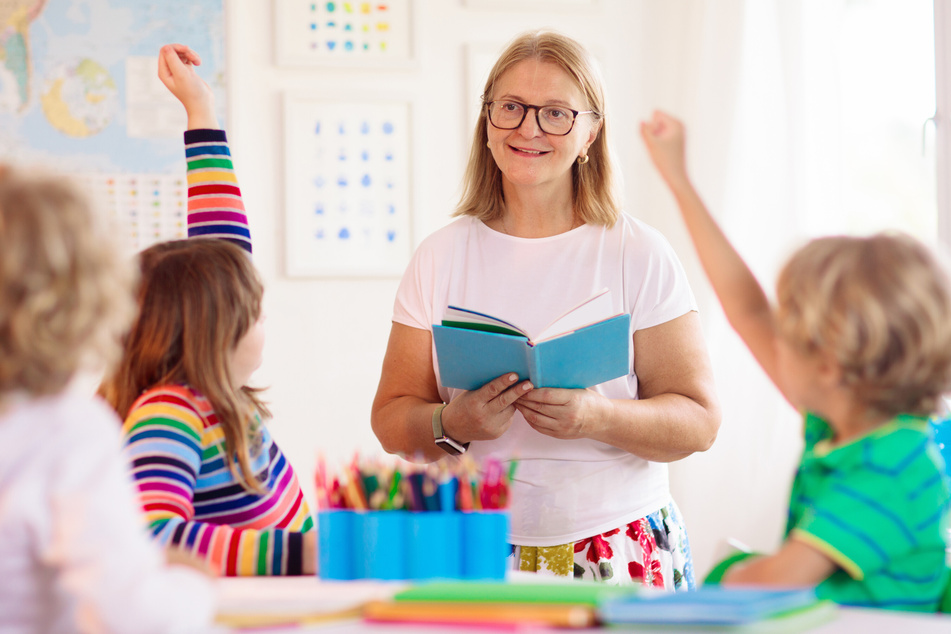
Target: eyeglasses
x=509, y=115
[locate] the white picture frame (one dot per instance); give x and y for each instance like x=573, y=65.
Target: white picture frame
x=354, y=33
x=348, y=190
x=528, y=5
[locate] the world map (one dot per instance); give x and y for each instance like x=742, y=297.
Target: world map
x=79, y=93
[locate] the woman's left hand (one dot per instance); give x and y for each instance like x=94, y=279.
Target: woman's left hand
x=562, y=413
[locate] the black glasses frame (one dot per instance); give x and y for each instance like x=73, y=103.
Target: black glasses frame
x=526, y=107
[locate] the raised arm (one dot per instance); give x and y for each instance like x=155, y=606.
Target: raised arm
x=740, y=294
x=215, y=207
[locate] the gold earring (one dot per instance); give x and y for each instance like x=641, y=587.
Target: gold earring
x=582, y=159
x=488, y=145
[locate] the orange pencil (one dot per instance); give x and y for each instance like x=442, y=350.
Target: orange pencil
x=476, y=613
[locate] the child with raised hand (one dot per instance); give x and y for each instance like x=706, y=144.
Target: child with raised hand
x=73, y=554
x=860, y=342
x=211, y=479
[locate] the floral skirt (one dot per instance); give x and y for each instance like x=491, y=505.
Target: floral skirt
x=651, y=551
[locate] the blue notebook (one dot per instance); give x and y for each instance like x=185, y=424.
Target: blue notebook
x=707, y=606
x=473, y=348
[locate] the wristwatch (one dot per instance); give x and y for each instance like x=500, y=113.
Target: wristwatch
x=447, y=444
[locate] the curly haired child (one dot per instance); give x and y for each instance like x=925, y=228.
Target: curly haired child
x=860, y=342
x=74, y=556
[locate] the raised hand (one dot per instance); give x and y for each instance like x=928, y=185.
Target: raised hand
x=176, y=69
x=664, y=138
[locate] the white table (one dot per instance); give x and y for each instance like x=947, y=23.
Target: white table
x=301, y=595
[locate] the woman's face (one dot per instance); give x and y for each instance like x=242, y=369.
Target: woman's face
x=248, y=354
x=526, y=155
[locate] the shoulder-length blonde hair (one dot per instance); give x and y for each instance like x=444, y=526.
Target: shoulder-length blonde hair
x=594, y=189
x=881, y=305
x=65, y=289
x=197, y=299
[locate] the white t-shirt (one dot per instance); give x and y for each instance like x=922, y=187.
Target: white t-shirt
x=75, y=555
x=564, y=490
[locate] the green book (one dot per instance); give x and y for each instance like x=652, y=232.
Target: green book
x=575, y=592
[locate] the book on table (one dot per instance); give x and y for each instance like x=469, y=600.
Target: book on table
x=497, y=604
x=717, y=608
x=587, y=345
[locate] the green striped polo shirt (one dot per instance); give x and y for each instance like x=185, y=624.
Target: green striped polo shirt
x=877, y=506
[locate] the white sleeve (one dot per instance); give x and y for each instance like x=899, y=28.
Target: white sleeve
x=109, y=575
x=664, y=292
x=414, y=297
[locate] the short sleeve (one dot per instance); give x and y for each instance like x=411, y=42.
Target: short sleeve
x=413, y=305
x=658, y=283
x=859, y=523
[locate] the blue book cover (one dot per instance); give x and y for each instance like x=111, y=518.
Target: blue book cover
x=470, y=357
x=707, y=606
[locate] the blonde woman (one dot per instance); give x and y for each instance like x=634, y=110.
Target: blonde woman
x=73, y=555
x=540, y=230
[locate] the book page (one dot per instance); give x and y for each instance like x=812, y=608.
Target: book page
x=457, y=317
x=596, y=308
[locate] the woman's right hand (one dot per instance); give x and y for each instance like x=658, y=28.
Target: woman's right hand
x=486, y=413
x=176, y=69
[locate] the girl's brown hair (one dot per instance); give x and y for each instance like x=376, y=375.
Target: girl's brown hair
x=197, y=299
x=593, y=184
x=882, y=306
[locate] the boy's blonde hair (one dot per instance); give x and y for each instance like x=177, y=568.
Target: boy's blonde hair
x=882, y=306
x=198, y=298
x=65, y=292
x=594, y=185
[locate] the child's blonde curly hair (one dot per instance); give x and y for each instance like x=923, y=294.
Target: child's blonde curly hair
x=65, y=292
x=881, y=305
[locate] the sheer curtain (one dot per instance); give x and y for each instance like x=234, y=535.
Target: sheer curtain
x=762, y=154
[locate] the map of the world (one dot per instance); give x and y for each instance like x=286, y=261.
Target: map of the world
x=79, y=93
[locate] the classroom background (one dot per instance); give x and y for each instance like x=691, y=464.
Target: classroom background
x=803, y=117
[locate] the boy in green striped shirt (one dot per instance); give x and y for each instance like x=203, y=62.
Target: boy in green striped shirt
x=860, y=341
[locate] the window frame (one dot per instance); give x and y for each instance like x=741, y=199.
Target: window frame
x=942, y=118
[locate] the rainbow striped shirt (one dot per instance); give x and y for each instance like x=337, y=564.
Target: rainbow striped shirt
x=215, y=208
x=175, y=446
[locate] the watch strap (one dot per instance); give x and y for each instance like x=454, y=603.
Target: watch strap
x=444, y=442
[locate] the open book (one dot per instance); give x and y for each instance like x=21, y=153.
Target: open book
x=586, y=345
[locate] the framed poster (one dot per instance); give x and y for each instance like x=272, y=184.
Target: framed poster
x=348, y=190
x=513, y=5
x=333, y=33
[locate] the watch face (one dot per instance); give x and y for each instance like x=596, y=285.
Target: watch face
x=450, y=446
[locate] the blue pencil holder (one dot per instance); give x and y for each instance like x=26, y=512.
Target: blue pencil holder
x=402, y=545
x=486, y=545
x=335, y=545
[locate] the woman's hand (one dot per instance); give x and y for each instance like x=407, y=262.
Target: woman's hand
x=664, y=138
x=176, y=69
x=564, y=414
x=486, y=413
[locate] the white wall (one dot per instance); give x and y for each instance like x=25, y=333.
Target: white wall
x=326, y=337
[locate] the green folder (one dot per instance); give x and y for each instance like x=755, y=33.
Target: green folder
x=576, y=592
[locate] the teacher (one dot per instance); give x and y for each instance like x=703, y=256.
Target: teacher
x=539, y=230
